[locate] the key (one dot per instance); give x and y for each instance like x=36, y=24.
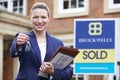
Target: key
x=27, y=48
x=28, y=45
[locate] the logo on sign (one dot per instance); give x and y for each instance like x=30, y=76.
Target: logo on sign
x=95, y=28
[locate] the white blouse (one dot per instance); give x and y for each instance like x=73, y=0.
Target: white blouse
x=42, y=48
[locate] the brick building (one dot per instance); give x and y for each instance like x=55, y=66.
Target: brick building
x=63, y=13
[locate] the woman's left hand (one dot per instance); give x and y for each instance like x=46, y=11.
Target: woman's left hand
x=47, y=67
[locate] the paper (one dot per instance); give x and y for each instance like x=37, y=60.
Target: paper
x=63, y=57
x=60, y=61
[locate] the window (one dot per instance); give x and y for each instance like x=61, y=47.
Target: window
x=111, y=6
x=3, y=4
x=70, y=4
x=77, y=77
x=70, y=8
x=16, y=6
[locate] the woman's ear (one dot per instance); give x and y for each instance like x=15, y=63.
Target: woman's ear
x=29, y=17
x=49, y=19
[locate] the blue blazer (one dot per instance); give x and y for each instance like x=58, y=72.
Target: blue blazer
x=30, y=61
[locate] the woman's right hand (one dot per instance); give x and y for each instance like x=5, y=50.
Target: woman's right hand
x=22, y=38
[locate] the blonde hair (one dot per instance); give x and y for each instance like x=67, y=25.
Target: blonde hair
x=40, y=5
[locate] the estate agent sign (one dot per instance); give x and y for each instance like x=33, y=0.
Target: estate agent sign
x=95, y=38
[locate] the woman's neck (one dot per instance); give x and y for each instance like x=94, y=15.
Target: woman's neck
x=41, y=37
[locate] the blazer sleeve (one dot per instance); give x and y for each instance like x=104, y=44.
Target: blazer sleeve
x=65, y=74
x=14, y=51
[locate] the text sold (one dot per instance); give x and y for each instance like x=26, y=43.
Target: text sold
x=94, y=54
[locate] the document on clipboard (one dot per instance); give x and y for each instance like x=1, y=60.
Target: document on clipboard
x=63, y=57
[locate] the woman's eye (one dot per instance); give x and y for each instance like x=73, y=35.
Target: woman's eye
x=35, y=17
x=44, y=17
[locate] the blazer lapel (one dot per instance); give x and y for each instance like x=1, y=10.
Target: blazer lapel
x=34, y=45
x=49, y=47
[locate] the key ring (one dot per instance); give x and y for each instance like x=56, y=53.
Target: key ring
x=27, y=48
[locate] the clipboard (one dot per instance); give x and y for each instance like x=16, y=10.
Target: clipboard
x=63, y=56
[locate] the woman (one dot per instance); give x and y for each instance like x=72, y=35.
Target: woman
x=36, y=47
